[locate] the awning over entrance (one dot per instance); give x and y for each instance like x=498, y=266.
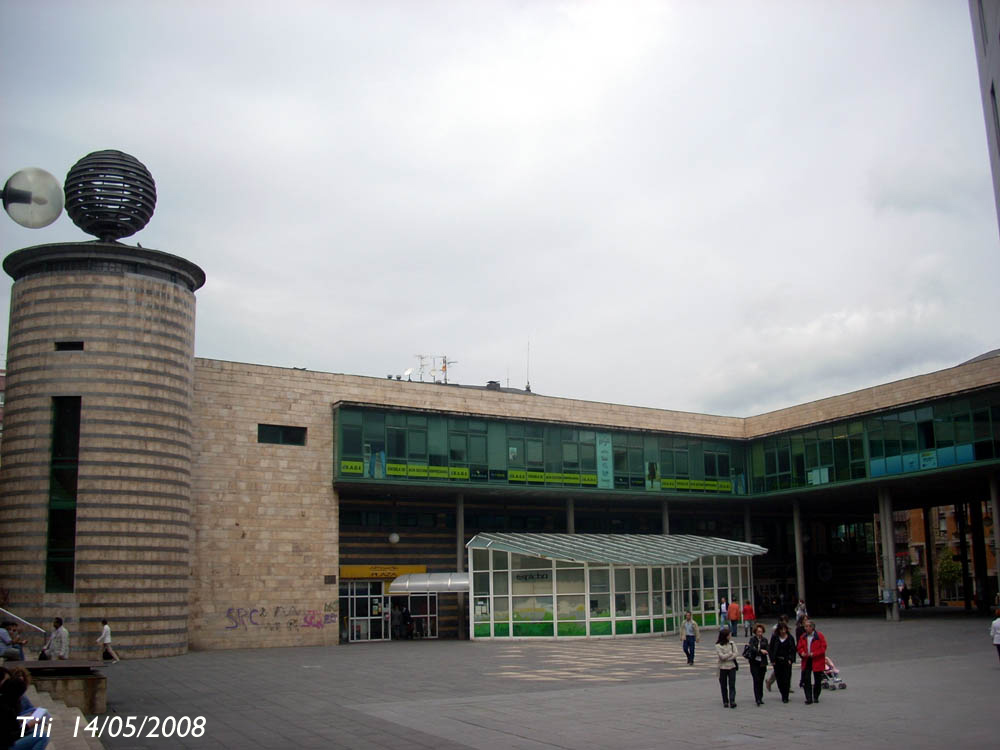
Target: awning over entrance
x=617, y=549
x=424, y=583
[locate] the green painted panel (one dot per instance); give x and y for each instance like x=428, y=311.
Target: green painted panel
x=671, y=625
x=658, y=625
x=501, y=630
x=623, y=627
x=710, y=619
x=642, y=626
x=482, y=630
x=533, y=629
x=699, y=618
x=600, y=628
x=573, y=628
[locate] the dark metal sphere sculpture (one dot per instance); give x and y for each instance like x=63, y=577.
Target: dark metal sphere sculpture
x=110, y=195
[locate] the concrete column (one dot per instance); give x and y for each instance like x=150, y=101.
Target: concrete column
x=570, y=516
x=665, y=513
x=985, y=599
x=888, y=551
x=746, y=523
x=930, y=555
x=800, y=570
x=995, y=503
x=963, y=551
x=460, y=554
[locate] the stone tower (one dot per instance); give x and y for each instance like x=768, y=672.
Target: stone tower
x=95, y=479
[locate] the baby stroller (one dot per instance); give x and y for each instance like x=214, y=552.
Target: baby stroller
x=831, y=677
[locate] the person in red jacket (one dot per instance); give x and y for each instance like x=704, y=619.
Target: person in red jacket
x=812, y=650
x=749, y=618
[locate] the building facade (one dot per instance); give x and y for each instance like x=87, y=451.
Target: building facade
x=204, y=504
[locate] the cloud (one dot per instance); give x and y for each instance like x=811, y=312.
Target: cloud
x=677, y=206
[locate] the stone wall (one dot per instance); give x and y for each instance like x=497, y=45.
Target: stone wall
x=265, y=515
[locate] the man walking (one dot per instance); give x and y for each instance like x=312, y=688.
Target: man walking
x=57, y=646
x=689, y=636
x=812, y=649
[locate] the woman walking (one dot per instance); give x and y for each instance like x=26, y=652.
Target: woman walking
x=756, y=651
x=782, y=653
x=749, y=618
x=726, y=651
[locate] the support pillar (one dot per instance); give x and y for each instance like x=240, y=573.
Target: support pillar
x=963, y=551
x=995, y=504
x=665, y=514
x=982, y=588
x=800, y=570
x=930, y=556
x=888, y=553
x=570, y=516
x=460, y=553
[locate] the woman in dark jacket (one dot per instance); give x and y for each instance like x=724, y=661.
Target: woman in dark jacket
x=11, y=690
x=756, y=653
x=782, y=653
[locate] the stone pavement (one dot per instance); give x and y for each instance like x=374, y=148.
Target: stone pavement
x=923, y=683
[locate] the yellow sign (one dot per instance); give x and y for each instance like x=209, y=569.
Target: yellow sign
x=458, y=472
x=413, y=470
x=683, y=484
x=571, y=479
x=589, y=480
x=668, y=484
x=725, y=485
x=553, y=477
x=437, y=472
x=352, y=467
x=517, y=475
x=384, y=572
x=536, y=476
x=395, y=470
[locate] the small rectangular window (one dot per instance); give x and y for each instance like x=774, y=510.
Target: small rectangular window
x=278, y=434
x=69, y=346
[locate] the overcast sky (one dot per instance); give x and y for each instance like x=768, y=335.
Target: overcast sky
x=722, y=207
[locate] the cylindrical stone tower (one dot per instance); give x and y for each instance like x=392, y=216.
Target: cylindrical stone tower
x=95, y=479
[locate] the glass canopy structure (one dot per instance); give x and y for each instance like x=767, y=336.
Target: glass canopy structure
x=601, y=585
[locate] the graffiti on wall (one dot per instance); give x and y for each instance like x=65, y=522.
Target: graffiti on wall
x=280, y=618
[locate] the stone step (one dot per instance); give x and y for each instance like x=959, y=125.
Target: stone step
x=64, y=721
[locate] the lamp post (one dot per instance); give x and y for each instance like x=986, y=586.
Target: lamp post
x=33, y=198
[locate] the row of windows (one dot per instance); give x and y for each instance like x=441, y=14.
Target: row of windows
x=396, y=445
x=943, y=434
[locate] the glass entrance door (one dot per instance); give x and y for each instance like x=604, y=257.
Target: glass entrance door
x=368, y=609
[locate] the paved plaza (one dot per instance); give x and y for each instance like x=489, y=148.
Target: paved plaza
x=928, y=682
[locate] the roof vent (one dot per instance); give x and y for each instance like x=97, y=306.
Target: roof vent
x=493, y=385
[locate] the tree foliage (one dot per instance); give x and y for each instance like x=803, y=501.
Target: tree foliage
x=949, y=571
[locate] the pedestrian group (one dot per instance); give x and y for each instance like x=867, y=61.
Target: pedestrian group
x=782, y=649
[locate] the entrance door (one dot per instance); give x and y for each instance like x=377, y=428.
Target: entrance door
x=423, y=615
x=368, y=610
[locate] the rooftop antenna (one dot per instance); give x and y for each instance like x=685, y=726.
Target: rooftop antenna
x=527, y=375
x=444, y=366
x=407, y=372
x=422, y=359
